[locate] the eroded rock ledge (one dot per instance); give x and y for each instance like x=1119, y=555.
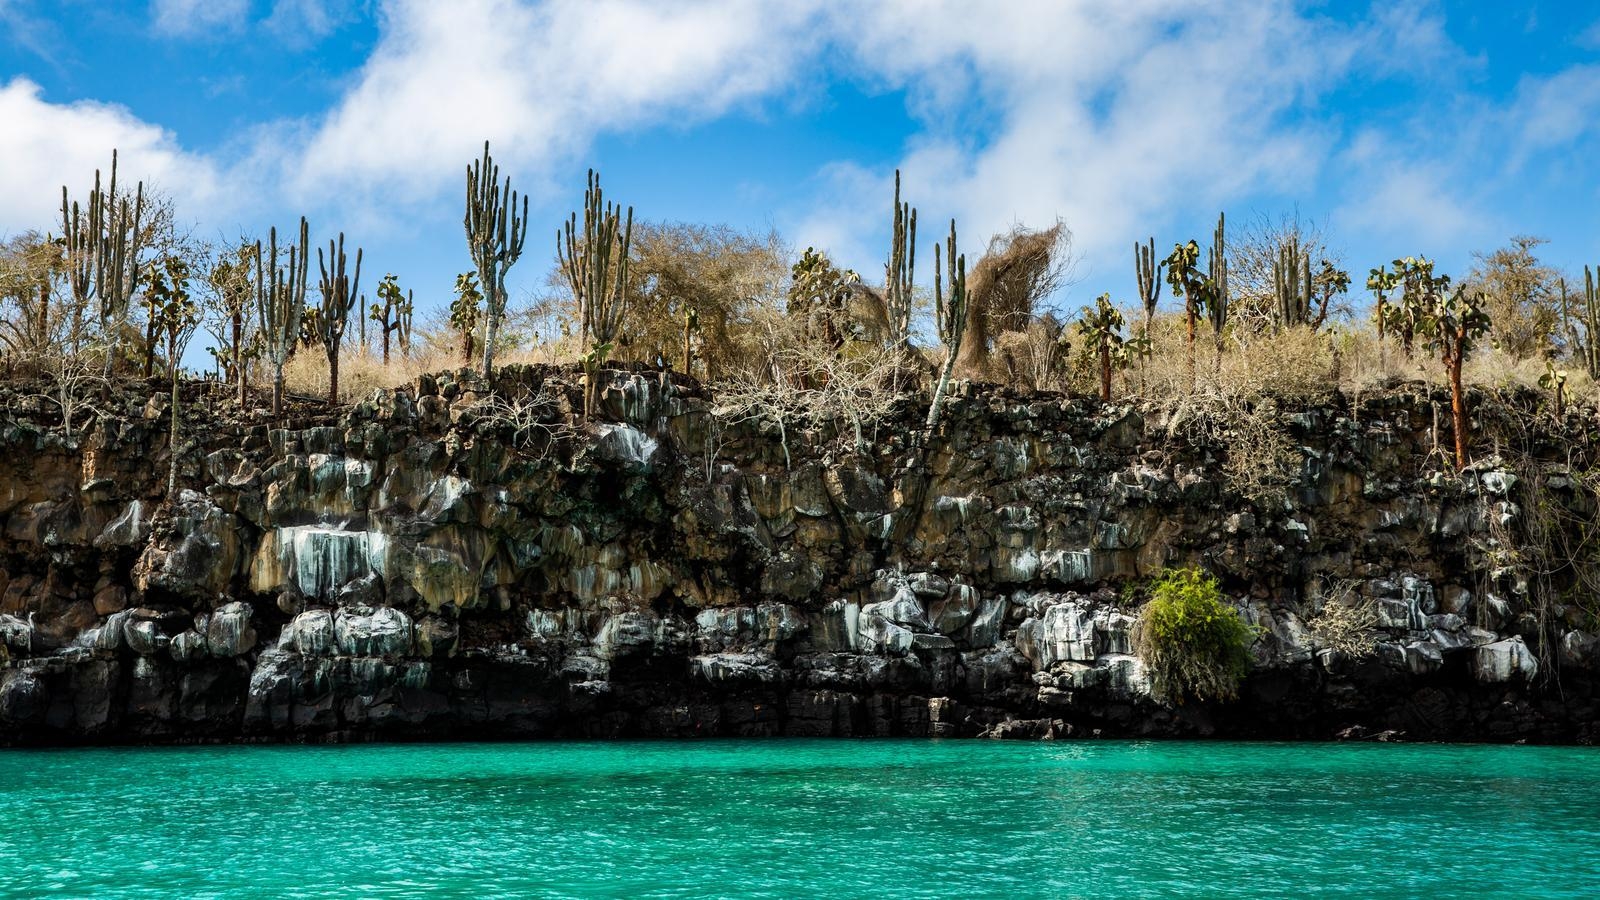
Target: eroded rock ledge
x=430, y=565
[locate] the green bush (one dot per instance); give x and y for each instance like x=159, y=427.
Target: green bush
x=1193, y=644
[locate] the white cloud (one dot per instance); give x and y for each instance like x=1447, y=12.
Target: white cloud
x=47, y=145
x=197, y=17
x=1113, y=118
x=541, y=81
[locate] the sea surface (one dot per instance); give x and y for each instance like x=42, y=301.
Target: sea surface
x=785, y=818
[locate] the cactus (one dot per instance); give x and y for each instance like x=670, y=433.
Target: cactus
x=339, y=293
x=595, y=262
x=165, y=297
x=103, y=243
x=1583, y=324
x=393, y=315
x=465, y=312
x=496, y=233
x=1555, y=380
x=229, y=278
x=1303, y=298
x=280, y=303
x=900, y=272
x=1418, y=290
x=1102, y=327
x=1291, y=284
x=1188, y=282
x=1217, y=288
x=950, y=315
x=1148, y=270
x=177, y=319
x=1380, y=282
x=1451, y=323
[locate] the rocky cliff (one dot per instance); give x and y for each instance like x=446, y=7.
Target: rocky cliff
x=446, y=561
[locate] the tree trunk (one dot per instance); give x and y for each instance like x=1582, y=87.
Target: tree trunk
x=172, y=442
x=238, y=354
x=495, y=304
x=333, y=376
x=688, y=351
x=277, y=389
x=1105, y=372
x=1458, y=408
x=944, y=383
x=385, y=341
x=1189, y=306
x=44, y=315
x=591, y=375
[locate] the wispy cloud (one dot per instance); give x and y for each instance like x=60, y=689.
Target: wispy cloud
x=190, y=18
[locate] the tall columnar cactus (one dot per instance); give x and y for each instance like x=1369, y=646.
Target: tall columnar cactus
x=1291, y=284
x=103, y=243
x=950, y=314
x=339, y=292
x=1583, y=323
x=900, y=272
x=280, y=303
x=1217, y=288
x=393, y=315
x=1148, y=270
x=496, y=232
x=595, y=261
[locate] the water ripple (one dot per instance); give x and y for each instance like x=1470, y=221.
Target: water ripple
x=786, y=818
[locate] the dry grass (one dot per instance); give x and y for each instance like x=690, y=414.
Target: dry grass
x=1294, y=368
x=362, y=372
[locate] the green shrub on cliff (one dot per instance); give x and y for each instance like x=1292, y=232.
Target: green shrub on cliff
x=1193, y=644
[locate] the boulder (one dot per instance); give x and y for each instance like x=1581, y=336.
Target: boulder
x=363, y=631
x=1504, y=661
x=230, y=632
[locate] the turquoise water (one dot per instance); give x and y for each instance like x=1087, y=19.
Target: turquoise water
x=784, y=818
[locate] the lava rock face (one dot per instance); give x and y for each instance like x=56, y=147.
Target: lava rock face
x=437, y=563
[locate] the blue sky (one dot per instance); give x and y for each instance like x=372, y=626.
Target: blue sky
x=1401, y=127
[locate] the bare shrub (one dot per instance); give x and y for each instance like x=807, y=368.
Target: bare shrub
x=693, y=286
x=790, y=376
x=1345, y=621
x=1251, y=255
x=1521, y=297
x=532, y=423
x=1037, y=356
x=1020, y=268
